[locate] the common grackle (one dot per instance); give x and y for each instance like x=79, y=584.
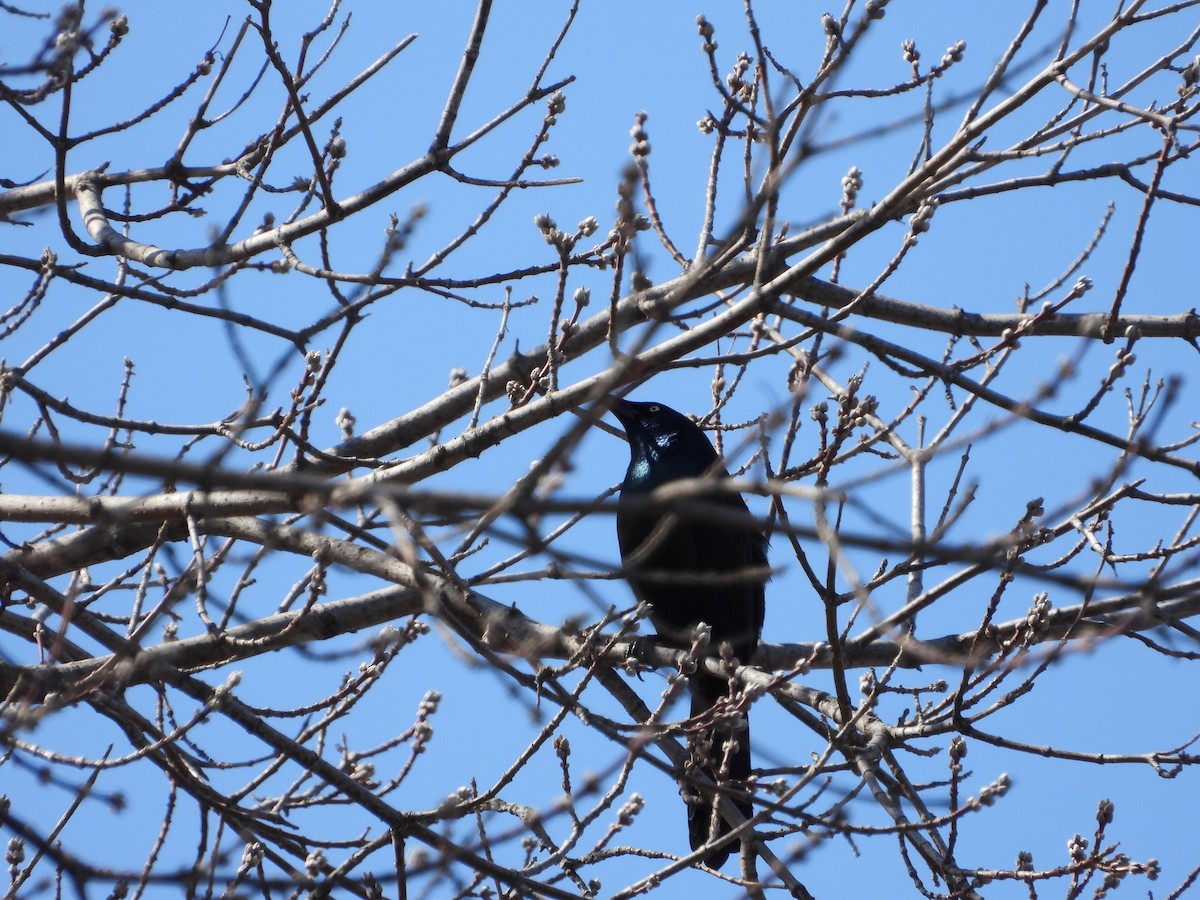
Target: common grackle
x=687, y=568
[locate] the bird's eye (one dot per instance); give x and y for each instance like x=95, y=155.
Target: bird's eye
x=654, y=407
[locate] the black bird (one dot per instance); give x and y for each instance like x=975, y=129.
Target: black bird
x=665, y=446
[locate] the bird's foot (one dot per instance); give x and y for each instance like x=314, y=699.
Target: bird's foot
x=638, y=656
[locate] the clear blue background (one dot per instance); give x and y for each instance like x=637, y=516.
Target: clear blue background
x=629, y=57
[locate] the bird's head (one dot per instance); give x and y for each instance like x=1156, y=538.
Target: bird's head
x=660, y=436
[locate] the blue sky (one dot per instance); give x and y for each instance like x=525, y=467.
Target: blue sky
x=628, y=57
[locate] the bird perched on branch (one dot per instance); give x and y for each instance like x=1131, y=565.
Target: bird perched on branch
x=692, y=568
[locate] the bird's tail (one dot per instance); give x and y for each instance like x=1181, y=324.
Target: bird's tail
x=702, y=814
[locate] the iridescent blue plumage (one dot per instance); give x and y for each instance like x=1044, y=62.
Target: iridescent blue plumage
x=691, y=569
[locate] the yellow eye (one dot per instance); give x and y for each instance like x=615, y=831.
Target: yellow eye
x=654, y=407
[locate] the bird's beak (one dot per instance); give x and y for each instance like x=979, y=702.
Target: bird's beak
x=624, y=411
